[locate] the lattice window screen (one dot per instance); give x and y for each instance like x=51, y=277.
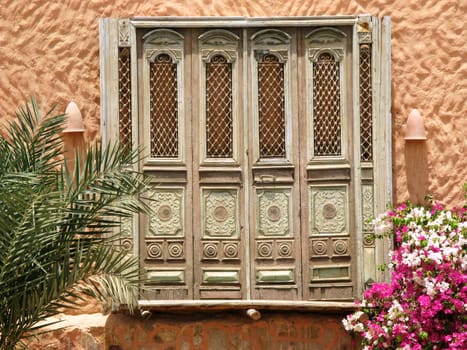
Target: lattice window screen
x=219, y=137
x=163, y=107
x=124, y=97
x=326, y=106
x=366, y=104
x=271, y=102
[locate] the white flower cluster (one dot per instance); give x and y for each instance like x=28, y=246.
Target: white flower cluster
x=352, y=322
x=381, y=224
x=434, y=244
x=396, y=312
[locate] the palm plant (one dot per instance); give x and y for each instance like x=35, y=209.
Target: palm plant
x=57, y=225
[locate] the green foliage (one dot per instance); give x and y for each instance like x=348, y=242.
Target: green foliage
x=57, y=225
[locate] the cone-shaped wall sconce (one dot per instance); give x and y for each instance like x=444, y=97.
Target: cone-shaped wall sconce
x=415, y=130
x=74, y=120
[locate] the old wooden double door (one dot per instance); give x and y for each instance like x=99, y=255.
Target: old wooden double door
x=250, y=149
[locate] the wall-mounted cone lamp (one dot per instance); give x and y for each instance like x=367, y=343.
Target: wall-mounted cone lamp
x=415, y=130
x=74, y=121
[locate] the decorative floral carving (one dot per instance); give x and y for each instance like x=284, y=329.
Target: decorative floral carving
x=124, y=33
x=168, y=208
x=220, y=213
x=367, y=207
x=364, y=38
x=274, y=209
x=324, y=202
x=126, y=226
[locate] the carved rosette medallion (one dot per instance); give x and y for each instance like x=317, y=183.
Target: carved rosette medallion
x=175, y=250
x=154, y=250
x=319, y=247
x=210, y=250
x=231, y=250
x=328, y=210
x=367, y=207
x=285, y=249
x=369, y=240
x=274, y=212
x=220, y=213
x=168, y=208
x=127, y=244
x=340, y=247
x=264, y=250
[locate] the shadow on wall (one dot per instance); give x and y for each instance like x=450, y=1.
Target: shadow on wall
x=416, y=170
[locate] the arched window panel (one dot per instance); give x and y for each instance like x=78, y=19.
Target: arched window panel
x=271, y=51
x=271, y=107
x=325, y=76
x=327, y=126
x=219, y=122
x=163, y=50
x=163, y=107
x=219, y=52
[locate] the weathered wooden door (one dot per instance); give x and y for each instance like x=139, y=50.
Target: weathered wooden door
x=249, y=139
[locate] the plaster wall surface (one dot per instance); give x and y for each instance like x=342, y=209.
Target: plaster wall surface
x=50, y=50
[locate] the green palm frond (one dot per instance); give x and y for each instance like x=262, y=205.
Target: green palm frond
x=57, y=225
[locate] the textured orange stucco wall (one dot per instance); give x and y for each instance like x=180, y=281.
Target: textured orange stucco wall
x=50, y=49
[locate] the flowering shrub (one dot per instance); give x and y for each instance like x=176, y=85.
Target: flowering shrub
x=425, y=305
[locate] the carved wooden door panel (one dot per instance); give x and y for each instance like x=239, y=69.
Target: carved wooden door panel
x=275, y=256
x=218, y=165
x=327, y=165
x=166, y=236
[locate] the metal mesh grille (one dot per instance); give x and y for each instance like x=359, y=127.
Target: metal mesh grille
x=124, y=97
x=219, y=108
x=326, y=106
x=163, y=107
x=366, y=105
x=271, y=107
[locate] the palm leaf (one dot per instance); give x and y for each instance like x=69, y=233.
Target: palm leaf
x=57, y=225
